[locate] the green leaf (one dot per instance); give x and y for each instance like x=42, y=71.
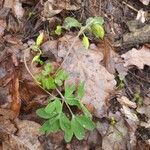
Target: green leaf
x=98, y=30
x=65, y=123
x=39, y=77
x=50, y=107
x=42, y=113
x=60, y=77
x=58, y=105
x=35, y=48
x=72, y=101
x=98, y=20
x=47, y=69
x=54, y=119
x=36, y=58
x=85, y=111
x=86, y=122
x=68, y=135
x=54, y=127
x=45, y=127
x=85, y=42
x=69, y=89
x=48, y=83
x=58, y=30
x=81, y=90
x=39, y=39
x=71, y=22
x=49, y=128
x=78, y=130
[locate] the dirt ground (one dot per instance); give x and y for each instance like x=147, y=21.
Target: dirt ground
x=117, y=72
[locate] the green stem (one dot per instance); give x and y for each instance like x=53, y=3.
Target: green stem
x=64, y=101
x=76, y=38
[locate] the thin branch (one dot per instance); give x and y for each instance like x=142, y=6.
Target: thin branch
x=25, y=63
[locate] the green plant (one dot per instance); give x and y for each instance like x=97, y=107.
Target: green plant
x=93, y=25
x=113, y=121
x=36, y=48
x=138, y=99
x=54, y=114
x=120, y=82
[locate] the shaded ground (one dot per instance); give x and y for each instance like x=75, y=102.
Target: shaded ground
x=127, y=101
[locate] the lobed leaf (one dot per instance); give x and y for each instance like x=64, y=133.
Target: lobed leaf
x=71, y=22
x=60, y=77
x=86, y=122
x=80, y=90
x=65, y=123
x=42, y=113
x=78, y=130
x=68, y=135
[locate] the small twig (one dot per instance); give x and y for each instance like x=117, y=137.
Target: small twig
x=64, y=101
x=131, y=7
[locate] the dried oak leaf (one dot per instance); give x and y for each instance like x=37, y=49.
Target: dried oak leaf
x=116, y=137
x=145, y=2
x=16, y=7
x=85, y=65
x=136, y=57
x=19, y=134
x=53, y=7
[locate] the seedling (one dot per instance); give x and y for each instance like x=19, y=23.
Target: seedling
x=55, y=117
x=138, y=99
x=120, y=82
x=37, y=49
x=113, y=121
x=93, y=25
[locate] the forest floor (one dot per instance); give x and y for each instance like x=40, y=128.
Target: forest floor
x=115, y=71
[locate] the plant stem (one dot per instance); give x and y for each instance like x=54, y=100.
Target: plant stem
x=64, y=101
x=80, y=32
x=25, y=63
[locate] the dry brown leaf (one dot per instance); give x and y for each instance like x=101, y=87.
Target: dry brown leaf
x=145, y=2
x=2, y=26
x=136, y=57
x=16, y=103
x=141, y=16
x=84, y=65
x=16, y=7
x=115, y=138
x=26, y=137
x=125, y=101
x=53, y=7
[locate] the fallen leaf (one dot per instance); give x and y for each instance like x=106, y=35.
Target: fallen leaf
x=16, y=7
x=141, y=16
x=16, y=103
x=129, y=113
x=84, y=65
x=26, y=137
x=144, y=110
x=136, y=57
x=2, y=26
x=145, y=2
x=125, y=101
x=53, y=7
x=115, y=138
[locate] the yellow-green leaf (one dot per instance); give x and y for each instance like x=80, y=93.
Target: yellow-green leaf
x=85, y=41
x=58, y=30
x=98, y=30
x=39, y=39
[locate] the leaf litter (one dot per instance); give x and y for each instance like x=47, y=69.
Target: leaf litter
x=115, y=130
